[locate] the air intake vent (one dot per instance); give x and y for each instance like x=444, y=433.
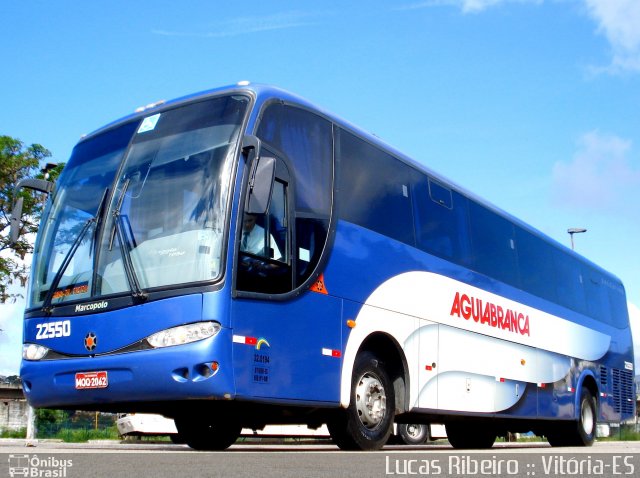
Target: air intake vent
x=623, y=391
x=604, y=378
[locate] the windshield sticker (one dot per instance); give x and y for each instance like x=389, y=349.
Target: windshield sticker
x=149, y=123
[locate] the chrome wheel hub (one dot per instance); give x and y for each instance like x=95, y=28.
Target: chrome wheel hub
x=414, y=431
x=371, y=400
x=587, y=419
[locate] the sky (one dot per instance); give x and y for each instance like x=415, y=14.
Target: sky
x=532, y=104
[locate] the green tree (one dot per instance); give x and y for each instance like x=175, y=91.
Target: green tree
x=18, y=162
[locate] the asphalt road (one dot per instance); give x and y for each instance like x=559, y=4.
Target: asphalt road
x=113, y=460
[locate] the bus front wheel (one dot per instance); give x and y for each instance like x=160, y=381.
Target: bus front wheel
x=205, y=435
x=368, y=421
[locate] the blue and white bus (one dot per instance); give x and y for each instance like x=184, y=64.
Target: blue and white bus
x=239, y=258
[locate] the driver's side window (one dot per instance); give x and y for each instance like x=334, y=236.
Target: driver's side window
x=264, y=264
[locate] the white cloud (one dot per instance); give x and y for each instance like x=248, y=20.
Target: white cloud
x=472, y=6
x=244, y=25
x=600, y=176
x=619, y=21
x=467, y=6
x=634, y=319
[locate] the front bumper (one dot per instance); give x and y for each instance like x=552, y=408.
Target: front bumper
x=176, y=373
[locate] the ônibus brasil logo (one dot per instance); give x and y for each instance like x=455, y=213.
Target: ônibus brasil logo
x=33, y=465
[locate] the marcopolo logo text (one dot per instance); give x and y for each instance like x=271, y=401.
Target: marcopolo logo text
x=92, y=306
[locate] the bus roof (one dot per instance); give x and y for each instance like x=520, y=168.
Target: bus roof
x=262, y=93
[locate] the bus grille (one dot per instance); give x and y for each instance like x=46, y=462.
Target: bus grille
x=623, y=391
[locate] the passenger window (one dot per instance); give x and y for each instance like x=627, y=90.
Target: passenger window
x=306, y=140
x=375, y=189
x=619, y=310
x=597, y=294
x=570, y=281
x=536, y=264
x=440, y=220
x=494, y=247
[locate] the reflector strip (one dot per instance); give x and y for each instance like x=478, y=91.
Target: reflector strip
x=571, y=389
x=542, y=385
x=331, y=353
x=241, y=339
x=428, y=367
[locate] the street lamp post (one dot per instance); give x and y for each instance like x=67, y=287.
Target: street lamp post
x=575, y=230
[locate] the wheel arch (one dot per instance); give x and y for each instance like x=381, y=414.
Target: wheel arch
x=390, y=353
x=588, y=381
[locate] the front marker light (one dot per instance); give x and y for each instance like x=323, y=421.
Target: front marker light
x=34, y=351
x=184, y=334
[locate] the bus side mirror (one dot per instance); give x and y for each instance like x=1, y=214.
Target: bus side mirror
x=251, y=143
x=260, y=185
x=16, y=214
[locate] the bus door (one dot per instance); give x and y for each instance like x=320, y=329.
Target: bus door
x=287, y=342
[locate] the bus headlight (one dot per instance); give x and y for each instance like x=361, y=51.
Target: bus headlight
x=34, y=351
x=184, y=334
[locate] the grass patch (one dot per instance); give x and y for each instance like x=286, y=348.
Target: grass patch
x=623, y=434
x=80, y=435
x=22, y=433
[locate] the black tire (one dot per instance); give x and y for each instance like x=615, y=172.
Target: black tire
x=581, y=432
x=464, y=436
x=207, y=436
x=413, y=433
x=368, y=421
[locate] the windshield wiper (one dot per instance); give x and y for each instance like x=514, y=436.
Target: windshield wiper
x=125, y=247
x=127, y=263
x=46, y=304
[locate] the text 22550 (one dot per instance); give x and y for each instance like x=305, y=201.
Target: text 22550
x=54, y=330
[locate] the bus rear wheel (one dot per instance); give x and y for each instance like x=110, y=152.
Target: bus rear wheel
x=368, y=421
x=577, y=433
x=206, y=435
x=463, y=436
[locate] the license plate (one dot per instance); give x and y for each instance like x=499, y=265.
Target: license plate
x=87, y=380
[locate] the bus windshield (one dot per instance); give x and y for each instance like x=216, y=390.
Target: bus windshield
x=141, y=206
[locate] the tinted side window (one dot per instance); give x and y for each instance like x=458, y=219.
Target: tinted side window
x=537, y=269
x=493, y=242
x=570, y=282
x=374, y=189
x=597, y=294
x=619, y=309
x=440, y=220
x=306, y=139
